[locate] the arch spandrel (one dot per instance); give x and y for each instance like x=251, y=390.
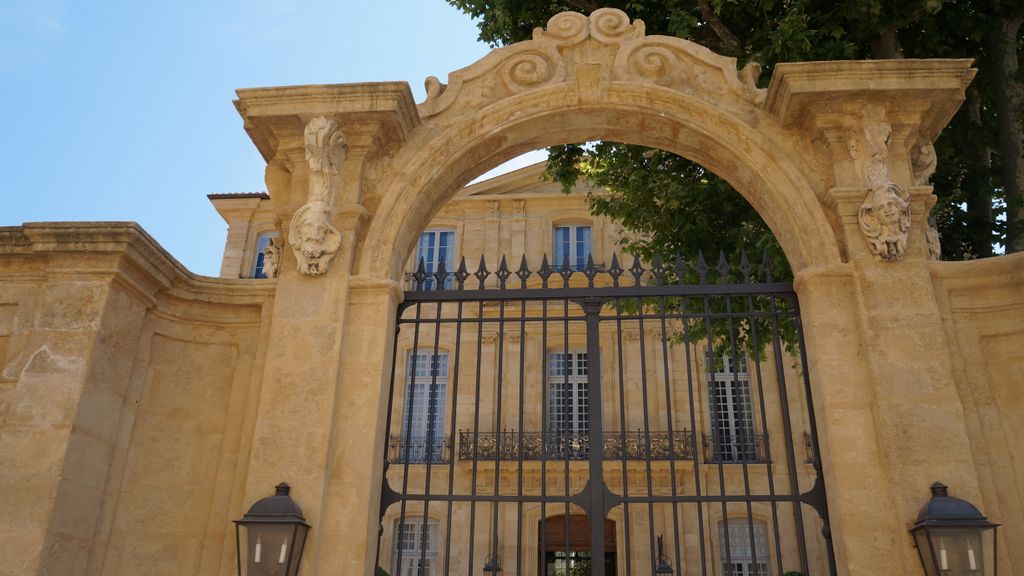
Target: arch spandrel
x=599, y=77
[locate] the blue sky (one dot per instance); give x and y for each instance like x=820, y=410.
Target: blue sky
x=121, y=110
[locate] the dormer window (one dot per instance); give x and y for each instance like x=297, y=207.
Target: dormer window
x=572, y=243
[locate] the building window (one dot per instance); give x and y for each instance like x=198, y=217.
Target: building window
x=567, y=405
x=572, y=243
x=423, y=439
x=435, y=247
x=416, y=548
x=262, y=242
x=732, y=414
x=738, y=557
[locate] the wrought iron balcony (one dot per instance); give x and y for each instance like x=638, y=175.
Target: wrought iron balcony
x=739, y=449
x=419, y=449
x=512, y=445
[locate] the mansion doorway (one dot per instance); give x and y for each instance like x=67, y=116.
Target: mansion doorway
x=565, y=546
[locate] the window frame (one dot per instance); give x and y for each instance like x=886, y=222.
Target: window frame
x=262, y=241
x=431, y=260
x=577, y=260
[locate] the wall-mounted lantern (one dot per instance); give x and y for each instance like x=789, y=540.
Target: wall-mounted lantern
x=953, y=538
x=271, y=536
x=492, y=565
x=664, y=565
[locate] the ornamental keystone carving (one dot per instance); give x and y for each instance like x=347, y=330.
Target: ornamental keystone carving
x=884, y=216
x=604, y=47
x=313, y=238
x=272, y=258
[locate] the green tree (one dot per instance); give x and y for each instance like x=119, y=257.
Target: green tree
x=677, y=206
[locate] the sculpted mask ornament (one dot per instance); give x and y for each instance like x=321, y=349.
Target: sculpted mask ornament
x=314, y=241
x=312, y=237
x=884, y=220
x=272, y=258
x=884, y=216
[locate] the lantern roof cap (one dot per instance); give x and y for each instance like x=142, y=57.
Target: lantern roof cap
x=945, y=510
x=278, y=509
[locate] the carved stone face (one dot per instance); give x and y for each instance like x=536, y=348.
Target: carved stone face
x=313, y=238
x=888, y=211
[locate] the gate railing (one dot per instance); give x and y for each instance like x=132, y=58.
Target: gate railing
x=404, y=449
x=749, y=448
x=513, y=445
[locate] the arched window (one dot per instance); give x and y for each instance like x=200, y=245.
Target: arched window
x=262, y=242
x=739, y=556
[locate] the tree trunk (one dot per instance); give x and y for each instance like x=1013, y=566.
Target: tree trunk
x=886, y=45
x=977, y=184
x=1009, y=100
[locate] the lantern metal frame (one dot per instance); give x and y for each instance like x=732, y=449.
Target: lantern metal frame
x=492, y=564
x=278, y=511
x=946, y=517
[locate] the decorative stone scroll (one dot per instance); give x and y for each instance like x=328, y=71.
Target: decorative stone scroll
x=884, y=216
x=313, y=238
x=604, y=47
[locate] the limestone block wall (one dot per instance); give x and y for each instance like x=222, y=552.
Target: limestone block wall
x=982, y=304
x=126, y=389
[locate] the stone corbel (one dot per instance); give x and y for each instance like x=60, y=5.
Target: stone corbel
x=314, y=240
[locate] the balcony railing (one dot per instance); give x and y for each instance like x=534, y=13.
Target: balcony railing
x=743, y=448
x=512, y=445
x=419, y=450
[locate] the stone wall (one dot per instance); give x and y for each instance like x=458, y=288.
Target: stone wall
x=126, y=393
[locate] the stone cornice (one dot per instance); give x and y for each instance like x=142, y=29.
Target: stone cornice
x=801, y=92
x=124, y=251
x=280, y=113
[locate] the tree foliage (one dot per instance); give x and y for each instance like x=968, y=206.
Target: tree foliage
x=674, y=205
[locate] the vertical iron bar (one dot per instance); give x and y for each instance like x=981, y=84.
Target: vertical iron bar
x=453, y=370
x=715, y=434
x=693, y=438
x=666, y=367
x=431, y=402
x=787, y=429
x=595, y=425
x=759, y=378
x=622, y=433
x=647, y=427
x=410, y=398
x=476, y=435
x=385, y=485
x=497, y=424
x=812, y=423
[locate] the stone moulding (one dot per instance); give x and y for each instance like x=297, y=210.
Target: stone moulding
x=573, y=44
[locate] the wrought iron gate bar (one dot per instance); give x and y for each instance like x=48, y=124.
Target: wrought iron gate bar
x=524, y=476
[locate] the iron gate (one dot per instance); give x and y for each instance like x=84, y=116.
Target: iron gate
x=654, y=419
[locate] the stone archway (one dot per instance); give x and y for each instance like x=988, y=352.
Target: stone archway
x=356, y=171
x=601, y=78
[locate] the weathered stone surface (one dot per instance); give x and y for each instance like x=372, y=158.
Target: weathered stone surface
x=142, y=408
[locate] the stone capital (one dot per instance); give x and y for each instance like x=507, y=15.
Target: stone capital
x=841, y=104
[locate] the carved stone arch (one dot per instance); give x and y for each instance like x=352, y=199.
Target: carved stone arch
x=601, y=78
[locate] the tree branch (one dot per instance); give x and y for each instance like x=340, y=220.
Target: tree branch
x=729, y=40
x=583, y=5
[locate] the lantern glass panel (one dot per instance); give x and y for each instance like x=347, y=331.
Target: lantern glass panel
x=959, y=551
x=268, y=549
